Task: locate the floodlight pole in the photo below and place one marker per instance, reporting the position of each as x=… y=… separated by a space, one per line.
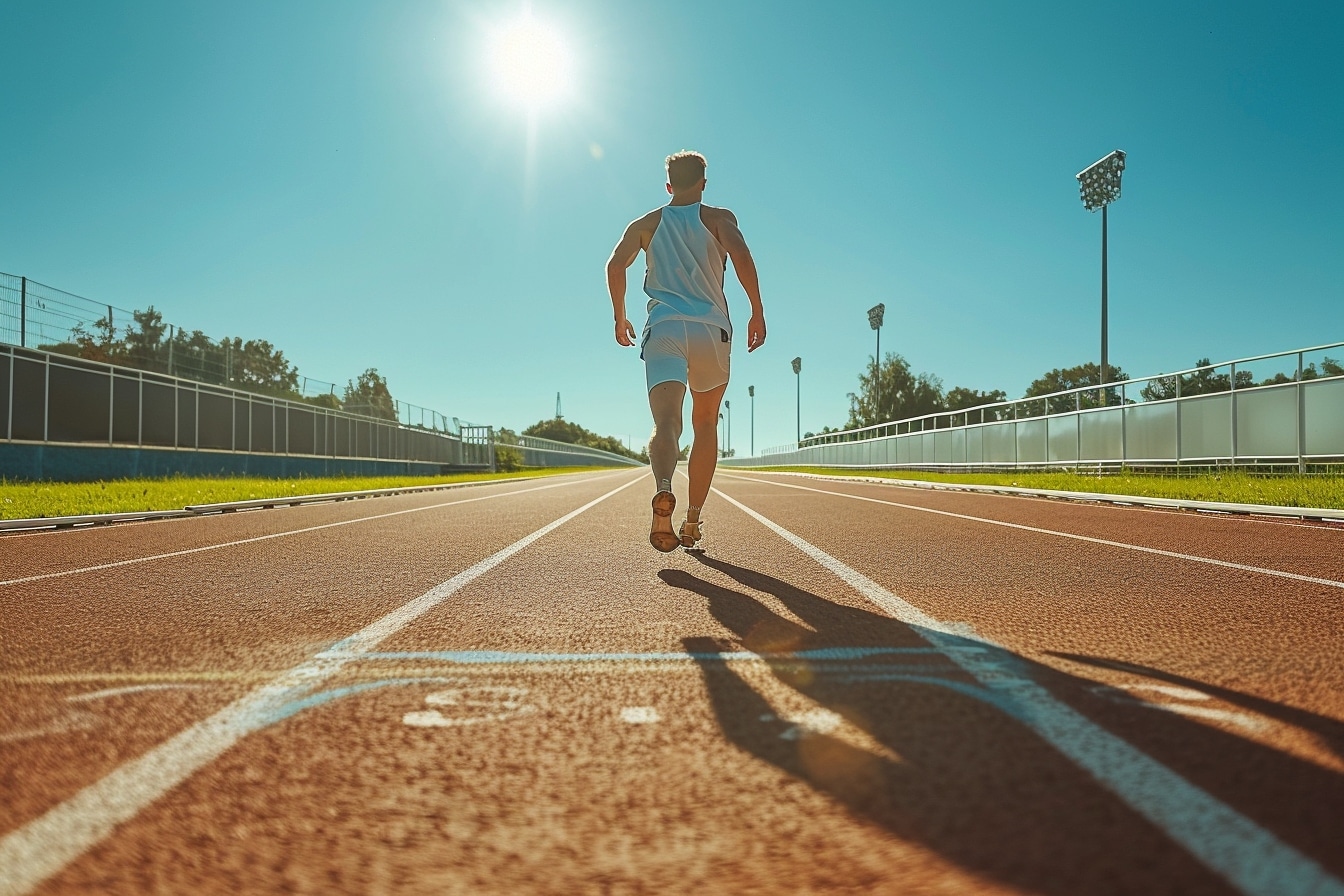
x=875 y=321
x=798 y=379
x=728 y=423
x=751 y=393
x=1105 y=369
x=1099 y=185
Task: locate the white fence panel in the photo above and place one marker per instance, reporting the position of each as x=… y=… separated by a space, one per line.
x=1323 y=408
x=1267 y=421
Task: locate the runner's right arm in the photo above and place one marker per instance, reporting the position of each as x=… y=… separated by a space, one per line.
x=624 y=255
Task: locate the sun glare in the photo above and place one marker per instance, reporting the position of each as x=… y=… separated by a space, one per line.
x=530 y=63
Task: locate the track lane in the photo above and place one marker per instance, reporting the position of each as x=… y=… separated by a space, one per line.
x=36 y=556
x=1039 y=592
x=1308 y=549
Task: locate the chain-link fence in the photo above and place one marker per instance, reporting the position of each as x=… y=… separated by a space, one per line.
x=37 y=316
x=77 y=375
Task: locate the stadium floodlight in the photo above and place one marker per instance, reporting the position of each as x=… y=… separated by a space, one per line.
x=1099 y=186
x=875 y=315
x=797 y=375
x=875 y=321
x=1099 y=183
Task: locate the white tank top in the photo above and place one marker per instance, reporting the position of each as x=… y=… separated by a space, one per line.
x=684 y=280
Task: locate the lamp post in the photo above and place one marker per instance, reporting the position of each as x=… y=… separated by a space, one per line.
x=728 y=409
x=751 y=393
x=720 y=434
x=1099 y=186
x=875 y=321
x=798 y=379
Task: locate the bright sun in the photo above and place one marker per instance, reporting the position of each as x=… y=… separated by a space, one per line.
x=530 y=63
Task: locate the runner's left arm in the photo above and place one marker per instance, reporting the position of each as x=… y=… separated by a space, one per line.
x=744 y=266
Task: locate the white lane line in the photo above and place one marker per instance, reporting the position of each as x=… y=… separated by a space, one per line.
x=130 y=689
x=39 y=849
x=1175 y=555
x=640 y=715
x=1253 y=859
x=230 y=544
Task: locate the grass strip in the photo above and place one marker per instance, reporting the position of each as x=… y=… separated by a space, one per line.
x=1234 y=487
x=36 y=500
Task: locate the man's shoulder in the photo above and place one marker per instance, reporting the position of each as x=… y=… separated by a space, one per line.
x=648 y=221
x=715 y=215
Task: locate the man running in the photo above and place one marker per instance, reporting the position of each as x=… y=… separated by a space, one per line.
x=688 y=334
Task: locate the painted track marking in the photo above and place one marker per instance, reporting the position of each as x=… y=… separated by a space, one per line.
x=640 y=715
x=130 y=689
x=229 y=544
x=41 y=848
x=1252 y=858
x=471 y=705
x=1176 y=555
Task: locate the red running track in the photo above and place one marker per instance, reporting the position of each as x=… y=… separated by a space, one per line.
x=858 y=688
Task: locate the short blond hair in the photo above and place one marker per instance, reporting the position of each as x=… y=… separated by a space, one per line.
x=685 y=169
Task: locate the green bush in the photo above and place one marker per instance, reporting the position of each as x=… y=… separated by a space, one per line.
x=507 y=458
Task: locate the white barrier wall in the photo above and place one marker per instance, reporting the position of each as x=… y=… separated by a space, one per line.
x=1286 y=423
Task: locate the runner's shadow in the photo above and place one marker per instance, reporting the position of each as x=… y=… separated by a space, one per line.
x=932 y=756
x=1330 y=731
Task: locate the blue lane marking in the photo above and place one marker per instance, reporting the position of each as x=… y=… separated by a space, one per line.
x=844 y=670
x=504 y=657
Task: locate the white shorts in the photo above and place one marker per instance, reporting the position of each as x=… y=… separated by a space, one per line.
x=689 y=352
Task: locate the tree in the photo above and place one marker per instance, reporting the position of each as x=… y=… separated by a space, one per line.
x=558 y=430
x=902 y=394
x=196 y=357
x=258 y=366
x=369 y=395
x=101 y=345
x=1329 y=367
x=1159 y=389
x=1062 y=379
x=325 y=400
x=507 y=457
x=963 y=399
x=145 y=347
x=1204 y=380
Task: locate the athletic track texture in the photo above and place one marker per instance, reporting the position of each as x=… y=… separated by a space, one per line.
x=858 y=688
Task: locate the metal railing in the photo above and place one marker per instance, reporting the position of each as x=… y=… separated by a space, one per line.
x=1281 y=409
x=539 y=452
x=37 y=316
x=53 y=399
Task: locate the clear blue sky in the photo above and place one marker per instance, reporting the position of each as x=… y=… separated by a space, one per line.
x=340 y=179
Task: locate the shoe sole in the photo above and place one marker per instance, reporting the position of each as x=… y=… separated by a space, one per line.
x=663 y=504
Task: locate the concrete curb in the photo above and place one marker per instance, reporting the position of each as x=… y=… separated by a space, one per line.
x=1304 y=513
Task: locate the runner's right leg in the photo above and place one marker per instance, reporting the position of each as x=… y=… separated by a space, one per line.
x=665 y=400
